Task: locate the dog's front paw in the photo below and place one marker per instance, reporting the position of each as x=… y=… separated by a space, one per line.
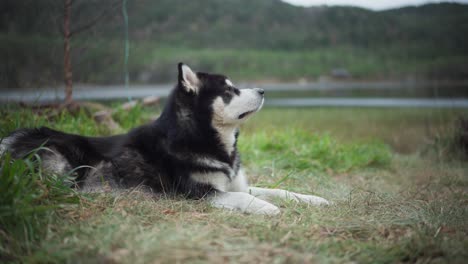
x=263 y=208
x=310 y=199
x=244 y=202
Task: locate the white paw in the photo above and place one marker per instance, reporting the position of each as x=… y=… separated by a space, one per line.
x=261 y=207
x=310 y=199
x=244 y=202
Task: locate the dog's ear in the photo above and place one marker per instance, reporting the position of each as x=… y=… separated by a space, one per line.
x=188 y=79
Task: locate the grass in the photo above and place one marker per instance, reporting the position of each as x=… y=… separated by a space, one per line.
x=405 y=130
x=392 y=204
x=30 y=201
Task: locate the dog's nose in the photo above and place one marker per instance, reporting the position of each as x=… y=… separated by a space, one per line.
x=260 y=91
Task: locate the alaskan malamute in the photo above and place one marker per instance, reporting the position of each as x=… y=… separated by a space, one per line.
x=190 y=149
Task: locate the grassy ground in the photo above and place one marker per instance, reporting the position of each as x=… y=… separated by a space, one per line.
x=392 y=203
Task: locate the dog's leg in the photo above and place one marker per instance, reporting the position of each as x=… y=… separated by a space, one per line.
x=243 y=202
x=268 y=194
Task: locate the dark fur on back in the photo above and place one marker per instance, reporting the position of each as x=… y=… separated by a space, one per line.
x=160 y=155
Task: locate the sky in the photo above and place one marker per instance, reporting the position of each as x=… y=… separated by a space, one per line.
x=370 y=4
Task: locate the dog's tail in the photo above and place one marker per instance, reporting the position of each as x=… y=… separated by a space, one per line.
x=7 y=143
x=55 y=147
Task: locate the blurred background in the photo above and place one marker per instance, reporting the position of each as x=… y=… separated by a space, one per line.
x=392 y=70
x=366 y=105
x=261 y=41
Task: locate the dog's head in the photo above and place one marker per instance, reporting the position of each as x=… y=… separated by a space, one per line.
x=214 y=96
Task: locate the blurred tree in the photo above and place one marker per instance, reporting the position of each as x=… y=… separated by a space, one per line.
x=67 y=69
x=68 y=32
x=425 y=40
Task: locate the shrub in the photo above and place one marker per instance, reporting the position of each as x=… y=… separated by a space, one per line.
x=450 y=143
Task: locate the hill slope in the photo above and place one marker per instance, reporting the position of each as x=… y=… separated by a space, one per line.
x=408 y=37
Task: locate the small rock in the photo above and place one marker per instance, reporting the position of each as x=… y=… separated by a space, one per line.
x=105 y=118
x=151 y=100
x=129 y=105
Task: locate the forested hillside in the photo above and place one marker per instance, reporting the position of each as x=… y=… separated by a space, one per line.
x=252 y=40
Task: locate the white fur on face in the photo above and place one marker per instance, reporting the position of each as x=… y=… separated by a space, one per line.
x=227 y=117
x=239 y=108
x=228 y=82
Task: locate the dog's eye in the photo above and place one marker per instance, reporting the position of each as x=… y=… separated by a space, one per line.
x=231 y=89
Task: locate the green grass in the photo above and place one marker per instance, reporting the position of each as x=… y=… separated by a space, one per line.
x=389 y=206
x=31 y=204
x=300 y=150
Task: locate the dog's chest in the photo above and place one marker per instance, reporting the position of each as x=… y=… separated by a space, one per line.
x=219 y=181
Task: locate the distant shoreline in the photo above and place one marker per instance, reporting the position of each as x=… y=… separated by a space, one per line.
x=116 y=92
x=273 y=86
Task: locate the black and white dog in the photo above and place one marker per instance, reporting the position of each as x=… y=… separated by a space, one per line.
x=190 y=149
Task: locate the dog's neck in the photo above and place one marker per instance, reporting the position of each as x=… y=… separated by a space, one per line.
x=228 y=137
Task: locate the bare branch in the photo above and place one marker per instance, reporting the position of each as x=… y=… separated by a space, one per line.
x=93 y=21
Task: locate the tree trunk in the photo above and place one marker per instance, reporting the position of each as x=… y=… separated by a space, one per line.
x=66 y=54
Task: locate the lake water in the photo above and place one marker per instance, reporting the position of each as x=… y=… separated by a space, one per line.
x=384 y=94
x=365 y=94
x=371 y=90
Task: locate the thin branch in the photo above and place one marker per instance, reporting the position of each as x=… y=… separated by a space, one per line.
x=92 y=22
